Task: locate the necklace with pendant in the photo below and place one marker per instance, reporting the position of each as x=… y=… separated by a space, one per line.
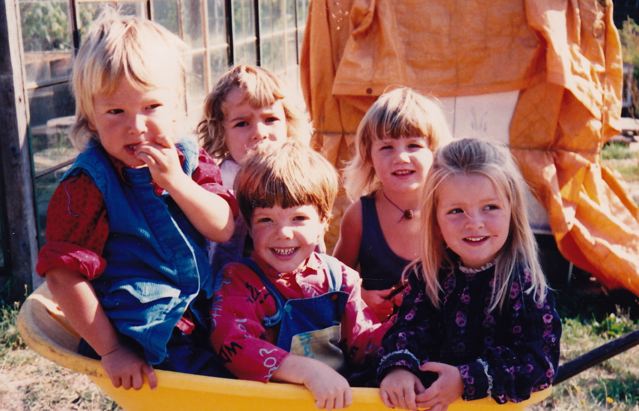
x=407 y=214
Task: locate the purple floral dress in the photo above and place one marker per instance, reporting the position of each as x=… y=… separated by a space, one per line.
x=505 y=354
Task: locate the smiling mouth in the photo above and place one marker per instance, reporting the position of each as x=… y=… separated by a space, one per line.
x=475 y=240
x=283 y=252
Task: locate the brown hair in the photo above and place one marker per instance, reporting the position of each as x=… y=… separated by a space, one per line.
x=288 y=175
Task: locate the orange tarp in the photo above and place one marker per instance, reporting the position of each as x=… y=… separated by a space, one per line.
x=563 y=57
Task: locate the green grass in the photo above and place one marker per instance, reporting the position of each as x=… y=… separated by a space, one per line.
x=629 y=172
x=616 y=151
x=588 y=322
x=9 y=337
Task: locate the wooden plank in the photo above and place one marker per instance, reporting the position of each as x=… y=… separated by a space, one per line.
x=15 y=159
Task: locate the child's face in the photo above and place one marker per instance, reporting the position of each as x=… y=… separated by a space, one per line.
x=130 y=118
x=246 y=126
x=473 y=218
x=401 y=164
x=285 y=237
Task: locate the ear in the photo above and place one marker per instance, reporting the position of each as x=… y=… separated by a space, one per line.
x=90 y=126
x=325 y=222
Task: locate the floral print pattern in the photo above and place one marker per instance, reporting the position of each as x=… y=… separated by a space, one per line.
x=506 y=354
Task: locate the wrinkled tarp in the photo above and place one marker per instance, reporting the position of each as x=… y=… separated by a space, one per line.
x=563 y=57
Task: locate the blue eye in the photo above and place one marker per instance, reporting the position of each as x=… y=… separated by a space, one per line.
x=492 y=207
x=115 y=111
x=455 y=211
x=240 y=124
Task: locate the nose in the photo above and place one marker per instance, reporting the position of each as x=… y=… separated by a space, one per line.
x=402 y=155
x=137 y=124
x=261 y=131
x=474 y=220
x=285 y=231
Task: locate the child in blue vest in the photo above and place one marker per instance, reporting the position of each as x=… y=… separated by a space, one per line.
x=125 y=256
x=289 y=313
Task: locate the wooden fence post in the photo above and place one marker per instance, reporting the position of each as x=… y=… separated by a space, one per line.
x=15 y=160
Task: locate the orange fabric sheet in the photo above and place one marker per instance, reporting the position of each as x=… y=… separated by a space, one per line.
x=563 y=57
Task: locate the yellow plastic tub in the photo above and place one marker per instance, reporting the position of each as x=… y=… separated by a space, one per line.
x=44 y=328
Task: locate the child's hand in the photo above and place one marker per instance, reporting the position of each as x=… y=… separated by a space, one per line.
x=447 y=387
x=400 y=388
x=127 y=370
x=376 y=300
x=162 y=159
x=329 y=388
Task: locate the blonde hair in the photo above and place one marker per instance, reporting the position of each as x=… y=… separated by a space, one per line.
x=118 y=48
x=476 y=157
x=396 y=114
x=288 y=175
x=262 y=88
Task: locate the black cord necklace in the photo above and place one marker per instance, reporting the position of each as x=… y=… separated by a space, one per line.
x=407 y=214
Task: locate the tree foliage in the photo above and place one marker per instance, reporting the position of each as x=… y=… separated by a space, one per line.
x=45 y=26
x=629 y=35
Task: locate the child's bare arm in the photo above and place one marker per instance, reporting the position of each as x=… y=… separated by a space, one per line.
x=77 y=299
x=208 y=212
x=329 y=388
x=350 y=236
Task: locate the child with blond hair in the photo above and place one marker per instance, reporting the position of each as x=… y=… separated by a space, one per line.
x=289 y=313
x=379 y=232
x=477 y=320
x=125 y=256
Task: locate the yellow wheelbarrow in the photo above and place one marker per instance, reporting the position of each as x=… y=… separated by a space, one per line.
x=46 y=331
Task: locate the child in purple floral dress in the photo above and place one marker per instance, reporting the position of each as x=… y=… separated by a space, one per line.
x=477 y=319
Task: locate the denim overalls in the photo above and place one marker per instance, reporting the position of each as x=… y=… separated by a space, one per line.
x=310 y=327
x=157 y=262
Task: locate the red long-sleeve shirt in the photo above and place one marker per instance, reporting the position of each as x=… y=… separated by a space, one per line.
x=78 y=225
x=248 y=348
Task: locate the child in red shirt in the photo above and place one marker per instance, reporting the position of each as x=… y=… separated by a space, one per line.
x=289 y=313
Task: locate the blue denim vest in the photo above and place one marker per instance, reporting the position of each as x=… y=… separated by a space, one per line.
x=156 y=260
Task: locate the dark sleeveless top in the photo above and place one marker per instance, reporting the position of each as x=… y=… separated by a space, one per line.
x=380 y=267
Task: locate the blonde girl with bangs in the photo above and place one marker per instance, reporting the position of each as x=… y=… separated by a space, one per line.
x=127 y=226
x=379 y=233
x=477 y=319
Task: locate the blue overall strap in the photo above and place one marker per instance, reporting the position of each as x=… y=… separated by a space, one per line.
x=334 y=272
x=273 y=320
x=334 y=278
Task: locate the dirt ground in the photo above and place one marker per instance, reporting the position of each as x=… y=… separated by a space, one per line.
x=30 y=382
